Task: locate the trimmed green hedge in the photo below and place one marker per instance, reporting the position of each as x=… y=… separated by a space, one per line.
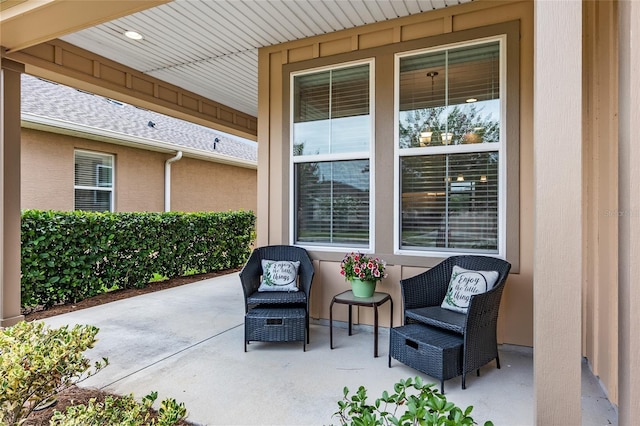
x=70 y=256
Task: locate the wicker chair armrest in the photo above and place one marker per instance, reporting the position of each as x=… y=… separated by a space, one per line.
x=250 y=274
x=427 y=288
x=483 y=308
x=306 y=272
x=480 y=337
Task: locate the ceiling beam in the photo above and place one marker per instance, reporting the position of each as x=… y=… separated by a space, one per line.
x=70 y=65
x=27 y=23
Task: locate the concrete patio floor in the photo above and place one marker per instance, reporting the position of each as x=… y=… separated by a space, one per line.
x=187 y=343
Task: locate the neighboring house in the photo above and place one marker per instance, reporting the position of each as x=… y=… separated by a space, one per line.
x=87 y=152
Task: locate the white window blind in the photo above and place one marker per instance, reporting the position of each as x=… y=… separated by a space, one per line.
x=331 y=126
x=450 y=201
x=449 y=149
x=93 y=182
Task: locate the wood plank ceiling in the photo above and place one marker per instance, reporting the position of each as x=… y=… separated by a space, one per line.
x=211 y=47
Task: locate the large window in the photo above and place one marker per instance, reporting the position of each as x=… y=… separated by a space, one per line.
x=93 y=181
x=450 y=149
x=331 y=156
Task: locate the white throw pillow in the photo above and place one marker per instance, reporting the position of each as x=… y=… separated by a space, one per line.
x=279 y=275
x=465 y=283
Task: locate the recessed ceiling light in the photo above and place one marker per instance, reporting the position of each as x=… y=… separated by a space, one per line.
x=471 y=100
x=133 y=35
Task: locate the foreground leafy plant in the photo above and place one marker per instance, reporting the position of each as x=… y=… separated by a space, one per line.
x=37 y=362
x=123 y=411
x=426 y=407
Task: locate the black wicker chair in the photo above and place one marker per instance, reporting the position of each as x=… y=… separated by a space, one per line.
x=250 y=279
x=424 y=293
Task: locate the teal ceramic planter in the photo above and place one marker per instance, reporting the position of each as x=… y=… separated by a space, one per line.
x=362 y=288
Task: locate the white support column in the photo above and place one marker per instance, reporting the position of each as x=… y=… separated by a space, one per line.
x=629 y=214
x=557 y=273
x=10 y=192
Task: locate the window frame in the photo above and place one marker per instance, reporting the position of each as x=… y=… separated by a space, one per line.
x=97 y=186
x=500 y=148
x=316 y=158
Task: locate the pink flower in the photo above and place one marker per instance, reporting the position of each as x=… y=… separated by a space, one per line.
x=359 y=265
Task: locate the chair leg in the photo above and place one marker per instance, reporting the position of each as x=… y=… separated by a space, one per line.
x=498 y=361
x=442 y=386
x=464 y=376
x=478 y=372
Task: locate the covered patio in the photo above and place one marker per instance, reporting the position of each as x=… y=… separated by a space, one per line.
x=569 y=205
x=186 y=343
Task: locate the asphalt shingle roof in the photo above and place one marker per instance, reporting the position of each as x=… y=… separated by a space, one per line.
x=56 y=101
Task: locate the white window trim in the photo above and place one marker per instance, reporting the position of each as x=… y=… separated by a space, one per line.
x=358 y=155
x=501 y=148
x=111 y=189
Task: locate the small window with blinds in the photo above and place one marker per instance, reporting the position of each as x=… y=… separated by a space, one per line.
x=93 y=182
x=331 y=149
x=450 y=148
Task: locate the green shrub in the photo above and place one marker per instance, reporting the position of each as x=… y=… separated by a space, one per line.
x=123 y=411
x=70 y=256
x=426 y=407
x=37 y=362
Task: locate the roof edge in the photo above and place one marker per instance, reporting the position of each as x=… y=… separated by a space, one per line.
x=63 y=127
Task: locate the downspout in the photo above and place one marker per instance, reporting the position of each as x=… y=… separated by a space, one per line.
x=167 y=180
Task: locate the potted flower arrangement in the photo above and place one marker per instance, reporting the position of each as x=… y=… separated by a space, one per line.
x=363 y=272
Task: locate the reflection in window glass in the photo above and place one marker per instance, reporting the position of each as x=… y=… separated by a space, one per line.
x=332 y=202
x=450 y=97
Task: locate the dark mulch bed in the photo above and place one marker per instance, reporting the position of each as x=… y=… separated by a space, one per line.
x=77 y=395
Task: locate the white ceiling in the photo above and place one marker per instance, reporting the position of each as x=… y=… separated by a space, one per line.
x=210 y=47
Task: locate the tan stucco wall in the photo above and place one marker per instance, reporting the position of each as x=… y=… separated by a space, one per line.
x=516 y=321
x=199 y=186
x=48 y=171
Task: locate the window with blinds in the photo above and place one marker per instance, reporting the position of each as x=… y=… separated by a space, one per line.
x=450 y=148
x=331 y=134
x=93 y=182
